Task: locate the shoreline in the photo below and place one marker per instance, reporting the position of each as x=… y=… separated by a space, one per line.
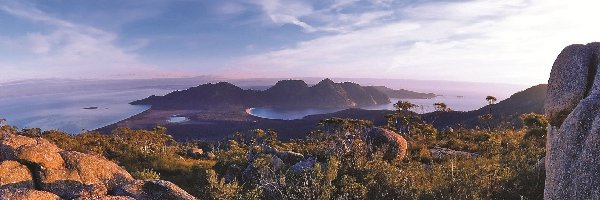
x=249 y=111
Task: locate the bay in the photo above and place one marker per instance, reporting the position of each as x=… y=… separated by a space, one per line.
x=457 y=103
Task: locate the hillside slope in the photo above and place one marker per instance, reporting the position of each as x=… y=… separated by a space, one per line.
x=222 y=93
x=530 y=100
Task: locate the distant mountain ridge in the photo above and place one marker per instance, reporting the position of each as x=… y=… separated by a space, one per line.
x=403 y=94
x=286 y=93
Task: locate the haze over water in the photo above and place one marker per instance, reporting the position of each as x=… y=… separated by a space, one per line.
x=65 y=111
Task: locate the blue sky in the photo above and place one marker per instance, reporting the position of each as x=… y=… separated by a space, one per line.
x=510 y=41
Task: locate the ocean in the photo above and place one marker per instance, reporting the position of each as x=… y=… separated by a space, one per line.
x=66 y=111
x=60 y=104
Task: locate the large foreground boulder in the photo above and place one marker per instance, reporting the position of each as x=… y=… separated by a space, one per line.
x=34 y=167
x=153 y=189
x=393 y=145
x=573 y=109
x=67 y=174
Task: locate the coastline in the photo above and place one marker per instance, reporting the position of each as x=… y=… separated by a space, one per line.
x=249 y=111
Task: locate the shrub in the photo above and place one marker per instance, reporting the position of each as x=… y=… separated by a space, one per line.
x=345 y=167
x=146 y=174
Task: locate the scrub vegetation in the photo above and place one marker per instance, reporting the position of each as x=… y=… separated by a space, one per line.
x=334 y=161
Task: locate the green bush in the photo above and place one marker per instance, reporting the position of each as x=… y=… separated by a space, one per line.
x=146 y=174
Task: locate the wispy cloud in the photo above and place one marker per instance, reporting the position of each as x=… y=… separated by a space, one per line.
x=287 y=12
x=483 y=40
x=68 y=49
x=328 y=18
x=504 y=41
x=339 y=4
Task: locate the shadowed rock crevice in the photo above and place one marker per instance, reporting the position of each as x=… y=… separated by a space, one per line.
x=35 y=171
x=592 y=70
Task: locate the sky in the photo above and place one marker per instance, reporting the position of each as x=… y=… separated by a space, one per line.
x=499 y=41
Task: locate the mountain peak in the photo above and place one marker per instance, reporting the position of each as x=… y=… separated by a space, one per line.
x=294 y=83
x=225 y=84
x=326 y=81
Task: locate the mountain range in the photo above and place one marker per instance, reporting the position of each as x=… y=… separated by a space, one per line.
x=285 y=93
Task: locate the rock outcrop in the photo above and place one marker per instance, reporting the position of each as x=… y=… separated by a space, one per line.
x=286 y=156
x=34 y=168
x=153 y=189
x=307 y=164
x=393 y=145
x=27 y=194
x=195 y=152
x=573 y=110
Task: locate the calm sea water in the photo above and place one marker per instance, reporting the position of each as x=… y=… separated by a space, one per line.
x=66 y=111
x=464 y=103
x=286 y=113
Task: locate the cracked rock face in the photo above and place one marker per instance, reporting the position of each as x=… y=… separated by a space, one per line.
x=573 y=109
x=34 y=168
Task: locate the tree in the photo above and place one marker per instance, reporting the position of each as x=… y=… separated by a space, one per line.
x=491 y=100
x=440 y=106
x=487 y=118
x=404 y=105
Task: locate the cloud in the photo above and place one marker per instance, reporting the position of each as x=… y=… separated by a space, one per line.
x=70 y=50
x=512 y=41
x=338 y=4
x=286 y=12
x=329 y=18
